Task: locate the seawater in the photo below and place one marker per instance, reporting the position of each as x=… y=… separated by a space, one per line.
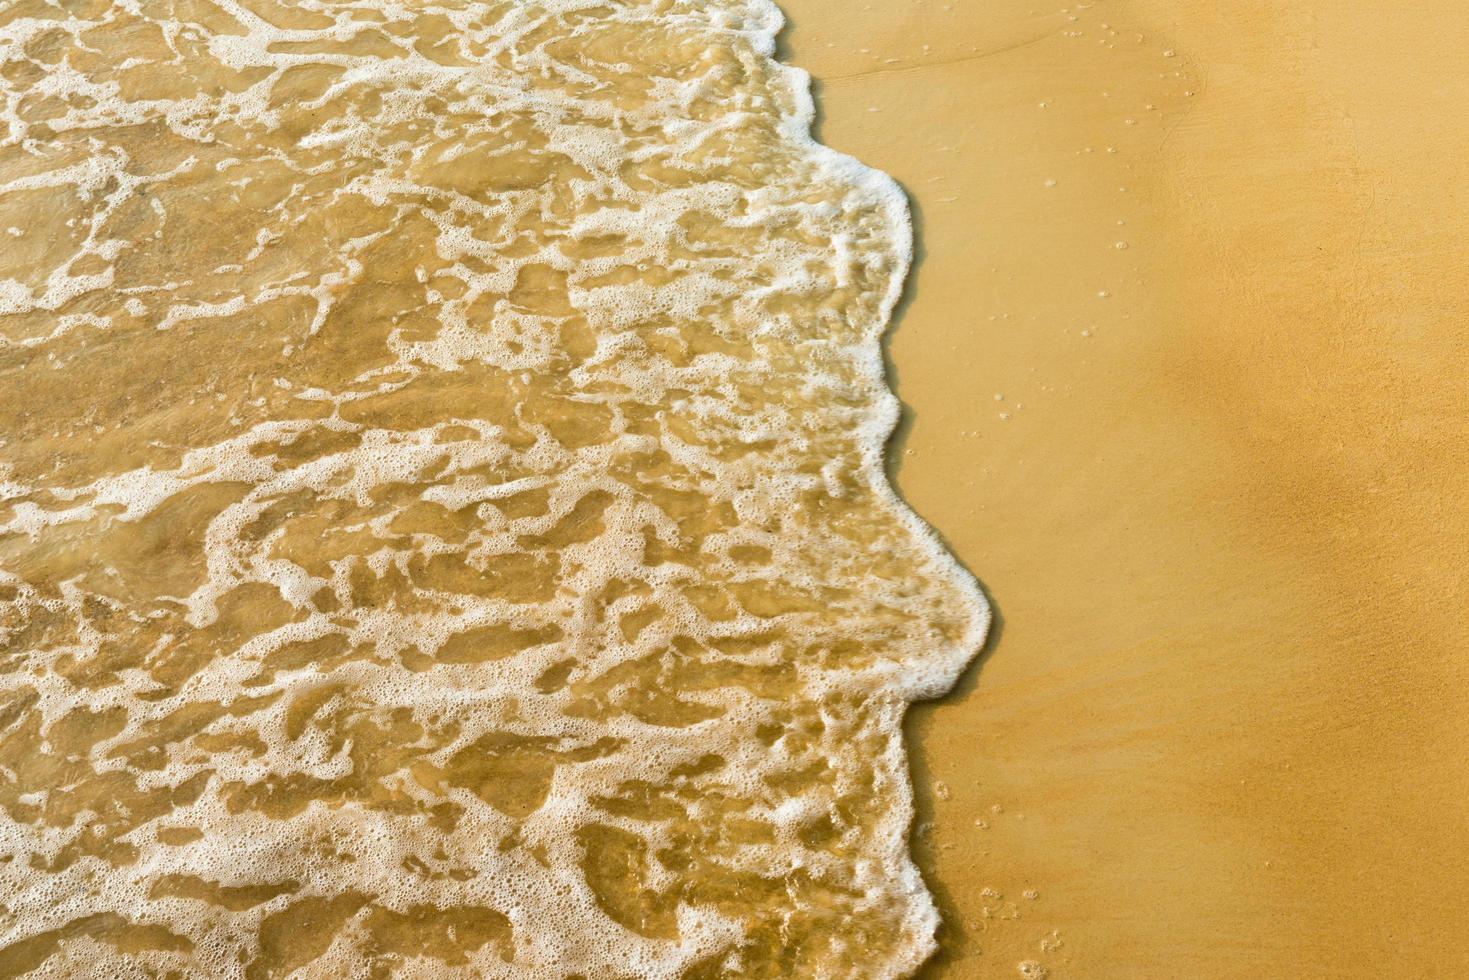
x=443 y=524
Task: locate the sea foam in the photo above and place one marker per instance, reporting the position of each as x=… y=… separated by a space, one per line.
x=443 y=524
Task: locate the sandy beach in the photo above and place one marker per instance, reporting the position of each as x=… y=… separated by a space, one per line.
x=1183 y=360
x=443 y=520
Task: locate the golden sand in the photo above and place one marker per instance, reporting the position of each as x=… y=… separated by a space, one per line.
x=421 y=559
x=1220 y=509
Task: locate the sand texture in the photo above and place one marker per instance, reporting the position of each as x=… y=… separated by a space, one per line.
x=1184 y=355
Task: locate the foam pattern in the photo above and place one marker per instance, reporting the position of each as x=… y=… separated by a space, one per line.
x=443 y=525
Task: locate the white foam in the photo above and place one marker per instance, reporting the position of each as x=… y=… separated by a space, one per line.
x=780 y=418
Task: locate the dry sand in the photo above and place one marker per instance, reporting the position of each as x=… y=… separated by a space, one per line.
x=1215 y=480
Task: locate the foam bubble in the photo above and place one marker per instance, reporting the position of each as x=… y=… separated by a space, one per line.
x=444 y=528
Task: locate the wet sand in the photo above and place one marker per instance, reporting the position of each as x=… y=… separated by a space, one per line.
x=1185 y=362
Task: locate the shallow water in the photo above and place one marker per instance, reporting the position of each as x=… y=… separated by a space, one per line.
x=444 y=528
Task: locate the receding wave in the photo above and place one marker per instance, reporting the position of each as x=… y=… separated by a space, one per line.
x=443 y=526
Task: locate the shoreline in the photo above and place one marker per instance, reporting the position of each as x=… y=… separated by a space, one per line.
x=1178 y=370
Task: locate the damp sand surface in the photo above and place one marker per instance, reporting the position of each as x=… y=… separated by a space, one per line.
x=444 y=525
x=1214 y=480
